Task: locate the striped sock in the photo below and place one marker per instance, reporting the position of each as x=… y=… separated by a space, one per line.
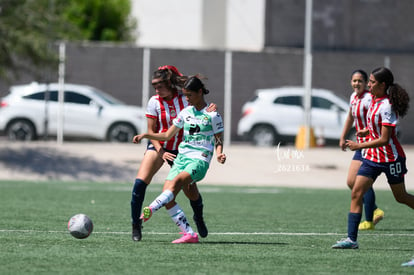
x=164 y=198
x=179 y=218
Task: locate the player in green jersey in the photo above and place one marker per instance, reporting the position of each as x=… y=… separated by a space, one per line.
x=202 y=136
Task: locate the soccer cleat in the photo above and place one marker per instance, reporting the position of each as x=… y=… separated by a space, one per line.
x=136 y=231
x=345 y=244
x=378 y=215
x=366 y=225
x=187 y=238
x=201 y=226
x=410 y=263
x=146 y=213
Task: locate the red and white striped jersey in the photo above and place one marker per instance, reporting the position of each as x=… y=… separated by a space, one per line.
x=359 y=106
x=380 y=113
x=164 y=111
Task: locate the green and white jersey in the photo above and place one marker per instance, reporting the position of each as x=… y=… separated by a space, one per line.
x=199 y=129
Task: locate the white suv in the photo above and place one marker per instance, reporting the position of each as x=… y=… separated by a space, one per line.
x=29 y=110
x=275 y=115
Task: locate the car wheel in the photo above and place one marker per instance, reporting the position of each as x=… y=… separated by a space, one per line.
x=121 y=132
x=263 y=135
x=21 y=130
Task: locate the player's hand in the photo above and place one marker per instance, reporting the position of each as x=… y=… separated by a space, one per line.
x=212 y=107
x=352 y=145
x=137 y=138
x=168 y=156
x=342 y=144
x=362 y=133
x=221 y=158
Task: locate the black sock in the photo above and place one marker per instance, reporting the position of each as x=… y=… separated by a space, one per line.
x=197 y=206
x=369 y=204
x=353 y=221
x=138 y=195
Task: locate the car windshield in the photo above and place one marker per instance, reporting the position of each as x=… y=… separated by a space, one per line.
x=107 y=98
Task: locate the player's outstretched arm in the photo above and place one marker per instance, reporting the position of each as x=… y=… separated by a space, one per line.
x=157 y=136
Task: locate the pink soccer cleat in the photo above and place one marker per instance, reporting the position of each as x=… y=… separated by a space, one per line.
x=146 y=214
x=187 y=238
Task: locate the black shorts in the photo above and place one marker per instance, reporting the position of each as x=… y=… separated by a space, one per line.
x=358 y=155
x=150 y=146
x=394 y=171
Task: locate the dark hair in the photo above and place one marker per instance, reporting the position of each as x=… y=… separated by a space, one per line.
x=398 y=96
x=170 y=73
x=361 y=72
x=194 y=84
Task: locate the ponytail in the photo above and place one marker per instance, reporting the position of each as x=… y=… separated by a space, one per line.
x=399 y=99
x=397 y=95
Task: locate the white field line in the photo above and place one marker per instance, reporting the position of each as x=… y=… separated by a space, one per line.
x=215 y=233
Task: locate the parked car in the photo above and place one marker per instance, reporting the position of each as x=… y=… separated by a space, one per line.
x=29 y=111
x=275 y=115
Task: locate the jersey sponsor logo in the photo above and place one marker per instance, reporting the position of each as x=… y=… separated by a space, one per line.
x=194 y=129
x=204 y=120
x=173 y=113
x=199 y=140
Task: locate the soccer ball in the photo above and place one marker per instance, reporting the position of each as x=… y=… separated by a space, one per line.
x=80 y=226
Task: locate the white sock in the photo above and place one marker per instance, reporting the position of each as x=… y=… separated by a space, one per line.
x=179 y=218
x=164 y=198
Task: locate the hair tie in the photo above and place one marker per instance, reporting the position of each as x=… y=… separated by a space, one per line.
x=172 y=68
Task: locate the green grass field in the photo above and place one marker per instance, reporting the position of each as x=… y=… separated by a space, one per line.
x=253 y=230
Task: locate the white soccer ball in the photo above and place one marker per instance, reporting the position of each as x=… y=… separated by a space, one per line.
x=80 y=226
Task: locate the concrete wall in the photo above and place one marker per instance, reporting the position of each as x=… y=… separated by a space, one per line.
x=369 y=25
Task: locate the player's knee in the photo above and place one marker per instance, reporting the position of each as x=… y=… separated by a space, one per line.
x=191 y=192
x=173 y=186
x=356 y=195
x=350 y=184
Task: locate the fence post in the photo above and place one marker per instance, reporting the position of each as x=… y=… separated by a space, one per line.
x=61 y=91
x=145 y=76
x=227 y=96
